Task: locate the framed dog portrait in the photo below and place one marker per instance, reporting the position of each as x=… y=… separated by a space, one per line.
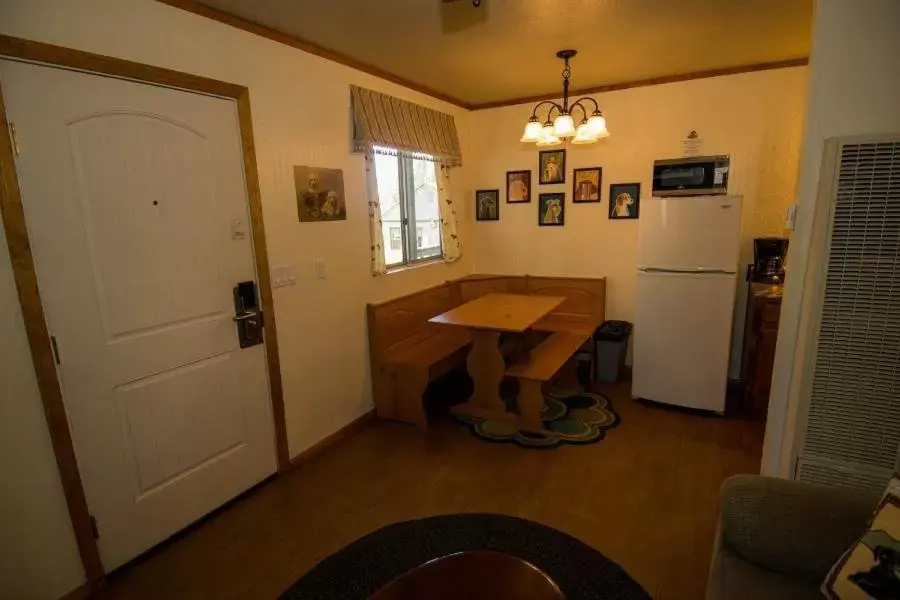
x=320 y=194
x=518 y=187
x=487 y=205
x=624 y=200
x=552 y=167
x=586 y=184
x=551 y=210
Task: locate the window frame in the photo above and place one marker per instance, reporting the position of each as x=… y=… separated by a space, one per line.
x=408 y=227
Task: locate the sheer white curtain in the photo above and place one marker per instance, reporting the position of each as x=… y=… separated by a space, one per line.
x=450 y=241
x=375 y=230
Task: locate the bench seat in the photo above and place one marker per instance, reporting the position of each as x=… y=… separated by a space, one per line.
x=542 y=363
x=566 y=324
x=549 y=357
x=432 y=351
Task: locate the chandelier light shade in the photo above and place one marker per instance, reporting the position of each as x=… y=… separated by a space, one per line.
x=547 y=138
x=559 y=124
x=534 y=131
x=564 y=126
x=597 y=125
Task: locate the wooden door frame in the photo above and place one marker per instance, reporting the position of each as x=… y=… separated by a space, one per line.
x=13 y=217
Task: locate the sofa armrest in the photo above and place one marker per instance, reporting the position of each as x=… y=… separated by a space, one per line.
x=796 y=528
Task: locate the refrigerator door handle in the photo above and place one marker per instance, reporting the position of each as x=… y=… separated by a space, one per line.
x=697 y=271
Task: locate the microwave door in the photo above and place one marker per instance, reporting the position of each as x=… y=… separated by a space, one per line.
x=684 y=178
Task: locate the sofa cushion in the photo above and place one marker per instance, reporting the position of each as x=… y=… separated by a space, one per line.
x=733 y=578
x=799 y=529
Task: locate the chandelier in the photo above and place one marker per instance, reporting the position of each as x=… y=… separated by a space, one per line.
x=550 y=131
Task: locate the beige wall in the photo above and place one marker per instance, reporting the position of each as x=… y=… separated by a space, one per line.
x=854 y=89
x=755 y=117
x=300 y=109
x=38 y=557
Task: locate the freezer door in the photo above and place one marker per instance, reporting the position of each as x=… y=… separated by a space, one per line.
x=700 y=232
x=682 y=338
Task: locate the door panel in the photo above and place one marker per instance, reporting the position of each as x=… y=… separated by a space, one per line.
x=137 y=213
x=700 y=232
x=136 y=224
x=682 y=338
x=170 y=428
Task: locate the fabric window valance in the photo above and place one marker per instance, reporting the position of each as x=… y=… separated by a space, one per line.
x=383 y=120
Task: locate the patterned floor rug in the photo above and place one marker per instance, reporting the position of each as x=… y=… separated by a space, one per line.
x=571 y=417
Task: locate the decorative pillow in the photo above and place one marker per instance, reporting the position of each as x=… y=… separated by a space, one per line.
x=871 y=568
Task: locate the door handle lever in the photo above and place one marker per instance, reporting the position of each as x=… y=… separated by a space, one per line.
x=250 y=314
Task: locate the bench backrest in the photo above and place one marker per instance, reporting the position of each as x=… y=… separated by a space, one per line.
x=585 y=297
x=476 y=286
x=404 y=321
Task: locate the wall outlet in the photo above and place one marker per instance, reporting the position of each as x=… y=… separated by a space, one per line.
x=320 y=268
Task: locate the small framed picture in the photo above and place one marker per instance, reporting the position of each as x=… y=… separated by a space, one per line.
x=551 y=166
x=518 y=187
x=586 y=184
x=624 y=200
x=487 y=205
x=551 y=210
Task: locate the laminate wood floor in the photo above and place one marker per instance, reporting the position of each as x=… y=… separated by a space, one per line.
x=646 y=497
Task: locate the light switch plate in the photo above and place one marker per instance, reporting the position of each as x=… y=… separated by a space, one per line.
x=320 y=268
x=283 y=275
x=790 y=217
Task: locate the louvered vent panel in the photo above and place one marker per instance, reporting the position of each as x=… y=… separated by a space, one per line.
x=854 y=405
x=854 y=476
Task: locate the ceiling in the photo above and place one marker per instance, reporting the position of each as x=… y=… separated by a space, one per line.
x=506 y=49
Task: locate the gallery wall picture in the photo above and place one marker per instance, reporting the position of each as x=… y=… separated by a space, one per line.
x=551 y=210
x=518 y=187
x=320 y=194
x=487 y=205
x=624 y=200
x=551 y=167
x=586 y=184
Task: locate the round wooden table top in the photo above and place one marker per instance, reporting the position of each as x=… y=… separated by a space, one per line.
x=474 y=575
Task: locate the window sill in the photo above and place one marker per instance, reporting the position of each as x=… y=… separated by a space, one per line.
x=415 y=265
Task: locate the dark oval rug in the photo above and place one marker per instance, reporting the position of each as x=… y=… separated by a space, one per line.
x=371 y=562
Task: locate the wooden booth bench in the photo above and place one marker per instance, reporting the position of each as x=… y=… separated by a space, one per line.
x=407 y=352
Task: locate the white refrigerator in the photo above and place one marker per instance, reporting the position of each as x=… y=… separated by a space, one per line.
x=684 y=299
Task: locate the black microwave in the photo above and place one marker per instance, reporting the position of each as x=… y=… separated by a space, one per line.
x=691 y=176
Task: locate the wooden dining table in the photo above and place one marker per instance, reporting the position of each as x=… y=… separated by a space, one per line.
x=486 y=318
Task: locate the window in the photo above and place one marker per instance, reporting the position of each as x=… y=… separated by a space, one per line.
x=396 y=242
x=410 y=216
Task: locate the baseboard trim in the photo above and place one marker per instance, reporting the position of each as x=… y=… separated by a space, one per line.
x=344 y=432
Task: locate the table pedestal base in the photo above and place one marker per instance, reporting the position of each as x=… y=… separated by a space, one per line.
x=531 y=404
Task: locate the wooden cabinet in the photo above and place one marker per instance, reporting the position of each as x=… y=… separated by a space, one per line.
x=760 y=336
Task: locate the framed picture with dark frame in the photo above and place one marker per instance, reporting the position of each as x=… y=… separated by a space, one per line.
x=624 y=200
x=552 y=209
x=487 y=205
x=518 y=187
x=586 y=184
x=551 y=167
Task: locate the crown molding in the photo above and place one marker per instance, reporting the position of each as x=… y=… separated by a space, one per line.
x=625 y=85
x=275 y=35
x=300 y=44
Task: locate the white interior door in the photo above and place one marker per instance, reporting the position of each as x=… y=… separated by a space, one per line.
x=137 y=213
x=692 y=232
x=682 y=337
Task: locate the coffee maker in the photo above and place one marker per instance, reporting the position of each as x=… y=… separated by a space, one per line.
x=769 y=255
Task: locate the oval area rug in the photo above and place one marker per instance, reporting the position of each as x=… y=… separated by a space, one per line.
x=371 y=562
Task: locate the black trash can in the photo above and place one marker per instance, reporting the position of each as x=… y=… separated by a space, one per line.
x=611 y=346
